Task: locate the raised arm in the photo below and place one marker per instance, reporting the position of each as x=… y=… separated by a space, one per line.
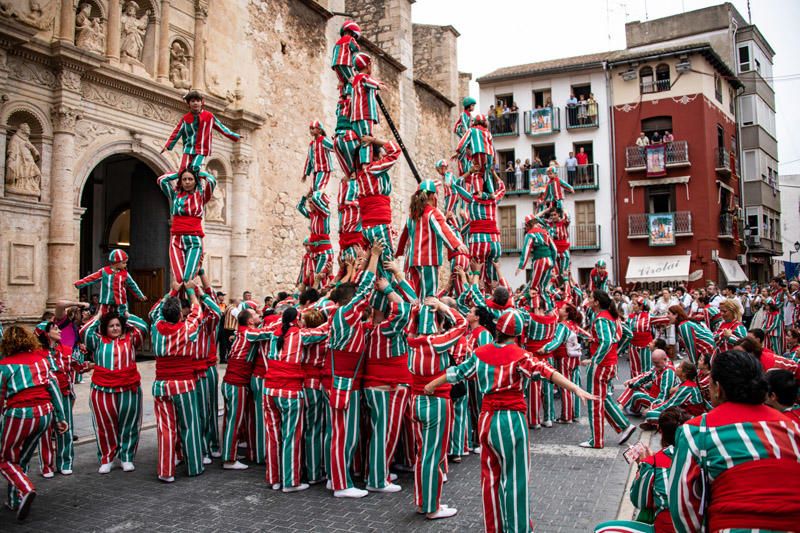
x=220 y=127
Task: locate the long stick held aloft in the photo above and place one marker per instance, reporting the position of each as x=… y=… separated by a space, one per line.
x=396 y=133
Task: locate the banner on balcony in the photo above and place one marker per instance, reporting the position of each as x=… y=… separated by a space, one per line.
x=656 y=160
x=661 y=229
x=542 y=121
x=538 y=181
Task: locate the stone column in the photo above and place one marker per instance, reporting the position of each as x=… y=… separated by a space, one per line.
x=199 y=66
x=163 y=44
x=114 y=27
x=66 y=31
x=239 y=204
x=62 y=249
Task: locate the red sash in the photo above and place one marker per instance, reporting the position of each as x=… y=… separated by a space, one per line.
x=484 y=226
x=509 y=400
x=238 y=372
x=375 y=210
x=641 y=338
x=418 y=385
x=30 y=397
x=283 y=375
x=561 y=246
x=351 y=238
x=175 y=368
x=127 y=378
x=187 y=225
x=392 y=371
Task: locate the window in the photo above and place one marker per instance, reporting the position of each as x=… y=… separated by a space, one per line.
x=744 y=58
x=747 y=110
x=731 y=101
x=656 y=124
x=119 y=233
x=750 y=166
x=754 y=110
x=508 y=227
x=718 y=87
x=660 y=199
x=585 y=233
x=720 y=137
x=542 y=98
x=646 y=80
x=545 y=152
x=582 y=90
x=504 y=158
x=662 y=78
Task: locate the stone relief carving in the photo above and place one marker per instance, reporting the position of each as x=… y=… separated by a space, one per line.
x=88 y=132
x=64 y=118
x=129 y=104
x=215 y=206
x=22 y=171
x=32 y=73
x=240 y=163
x=134 y=29
x=37 y=13
x=179 y=73
x=90 y=32
x=69 y=80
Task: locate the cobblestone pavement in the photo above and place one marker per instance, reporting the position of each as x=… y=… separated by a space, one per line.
x=571 y=490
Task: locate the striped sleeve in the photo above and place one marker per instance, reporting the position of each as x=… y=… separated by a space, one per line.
x=463 y=371
x=220 y=127
x=529 y=366
x=604 y=330
x=209 y=183
x=177 y=133
x=684 y=480
x=91 y=336
x=444 y=341
x=192 y=324
x=386 y=162
x=89 y=280
x=560 y=337
x=666 y=384
x=134 y=288
x=399 y=315
x=527 y=249
x=302 y=207
x=641 y=493
x=440 y=228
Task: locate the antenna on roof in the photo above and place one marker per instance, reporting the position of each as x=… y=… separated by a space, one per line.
x=645 y=11
x=749 y=15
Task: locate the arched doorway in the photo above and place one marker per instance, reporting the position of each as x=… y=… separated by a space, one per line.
x=124 y=208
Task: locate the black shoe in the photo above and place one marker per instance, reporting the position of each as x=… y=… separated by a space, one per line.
x=25 y=506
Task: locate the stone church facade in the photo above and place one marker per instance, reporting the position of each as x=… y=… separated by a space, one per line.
x=91 y=89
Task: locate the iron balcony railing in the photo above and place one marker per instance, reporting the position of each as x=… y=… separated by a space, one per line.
x=727 y=223
x=637 y=224
x=583 y=115
x=677 y=155
x=584 y=178
x=656 y=86
x=542 y=121
x=723 y=163
x=504 y=125
x=584 y=237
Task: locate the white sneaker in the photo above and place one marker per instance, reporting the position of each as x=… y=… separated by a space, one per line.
x=166 y=479
x=352 y=492
x=548 y=424
x=585 y=444
x=444 y=478
x=476 y=449
x=235 y=466
x=329 y=485
x=390 y=487
x=48 y=475
x=105 y=468
x=128 y=466
x=443 y=512
x=314 y=481
x=276 y=486
x=392 y=477
x=626 y=434
x=66 y=472
x=296 y=488
x=206 y=460
x=216 y=455
x=537 y=426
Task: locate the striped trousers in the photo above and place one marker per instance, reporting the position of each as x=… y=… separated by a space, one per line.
x=18 y=439
x=177 y=418
x=475 y=402
x=407 y=453
x=345 y=147
x=343 y=433
x=185 y=252
x=283 y=424
x=641 y=360
x=207 y=408
x=425 y=280
x=431 y=423
x=627 y=526
x=345 y=74
x=192 y=161
x=569 y=366
x=117 y=421
x=606 y=408
x=320 y=180
x=461 y=429
x=635 y=399
x=256 y=420
x=541 y=401
x=315 y=412
x=484 y=249
x=505 y=470
x=237 y=400
x=56 y=450
x=363 y=127
x=563 y=262
x=541 y=270
x=386 y=408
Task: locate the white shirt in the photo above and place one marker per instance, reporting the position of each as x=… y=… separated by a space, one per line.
x=715 y=301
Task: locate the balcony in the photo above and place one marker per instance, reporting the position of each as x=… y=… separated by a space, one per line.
x=723 y=162
x=585 y=178
x=582 y=116
x=543 y=121
x=656 y=86
x=584 y=237
x=511 y=240
x=727 y=225
x=637 y=224
x=677 y=155
x=505 y=125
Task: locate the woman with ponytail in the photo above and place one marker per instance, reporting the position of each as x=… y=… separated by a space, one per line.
x=695 y=336
x=422 y=242
x=742 y=456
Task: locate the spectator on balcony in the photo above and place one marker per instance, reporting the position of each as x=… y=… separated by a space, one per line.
x=572 y=101
x=491 y=114
x=583 y=164
x=592 y=109
x=642 y=140
x=668 y=137
x=655 y=138
x=518 y=174
x=583 y=110
x=510 y=180
x=547 y=103
x=537 y=162
x=571 y=165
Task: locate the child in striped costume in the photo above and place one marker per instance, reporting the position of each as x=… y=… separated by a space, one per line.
x=651 y=387
x=502 y=369
x=553 y=195
x=351 y=239
x=484 y=236
x=428 y=359
x=114 y=279
x=173 y=341
x=539 y=248
x=707 y=314
x=598 y=277
x=742 y=452
x=453 y=204
x=29 y=401
x=686 y=395
x=116 y=393
x=773 y=327
x=345 y=141
x=422 y=241
x=559 y=226
x=606 y=331
x=315 y=206
x=477 y=144
x=461 y=126
x=196 y=130
x=344 y=54
x=696 y=338
x=731 y=330
x=641 y=324
x=341 y=377
x=364 y=106
x=318 y=161
x=58 y=454
x=187 y=198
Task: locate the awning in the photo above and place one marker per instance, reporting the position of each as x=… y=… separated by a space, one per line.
x=656 y=269
x=734 y=274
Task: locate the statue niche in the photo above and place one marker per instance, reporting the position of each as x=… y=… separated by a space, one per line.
x=90 y=31
x=179 y=72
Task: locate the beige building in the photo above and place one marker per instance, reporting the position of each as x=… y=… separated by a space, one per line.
x=90 y=90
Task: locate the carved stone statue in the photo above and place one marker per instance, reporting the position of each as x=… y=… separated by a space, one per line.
x=179 y=73
x=89 y=32
x=133 y=31
x=216 y=205
x=39 y=13
x=22 y=173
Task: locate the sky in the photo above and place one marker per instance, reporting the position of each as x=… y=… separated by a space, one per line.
x=510 y=32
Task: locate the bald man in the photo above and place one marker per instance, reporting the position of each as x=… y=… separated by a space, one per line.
x=651 y=387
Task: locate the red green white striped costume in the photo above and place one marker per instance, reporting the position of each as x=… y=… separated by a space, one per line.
x=197 y=131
